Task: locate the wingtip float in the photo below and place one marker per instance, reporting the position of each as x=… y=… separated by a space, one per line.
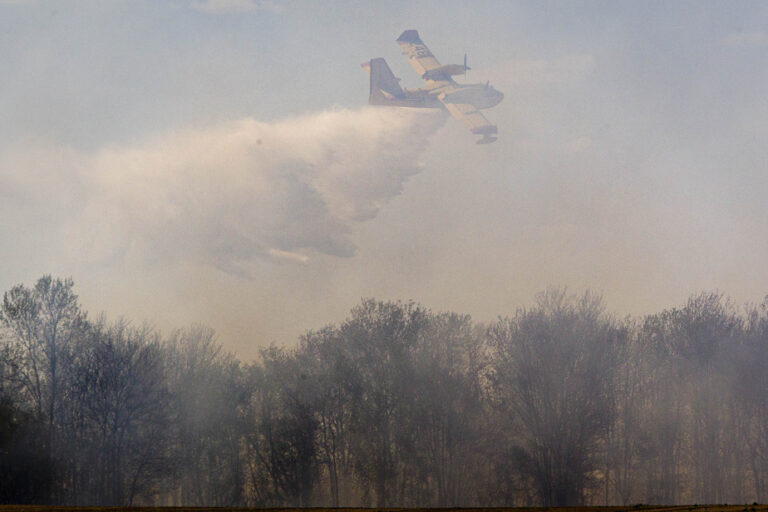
x=462 y=101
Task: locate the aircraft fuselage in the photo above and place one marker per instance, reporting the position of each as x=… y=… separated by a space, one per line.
x=481 y=96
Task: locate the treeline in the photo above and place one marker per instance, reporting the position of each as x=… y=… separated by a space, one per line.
x=558 y=404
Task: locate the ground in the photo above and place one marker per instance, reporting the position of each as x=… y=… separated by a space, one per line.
x=641 y=508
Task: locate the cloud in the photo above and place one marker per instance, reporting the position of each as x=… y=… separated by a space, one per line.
x=745 y=39
x=234 y=6
x=225 y=196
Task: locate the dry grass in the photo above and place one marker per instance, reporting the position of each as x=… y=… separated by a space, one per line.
x=633 y=508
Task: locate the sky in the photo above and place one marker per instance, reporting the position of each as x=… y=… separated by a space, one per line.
x=215 y=161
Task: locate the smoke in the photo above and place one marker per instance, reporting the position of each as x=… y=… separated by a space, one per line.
x=224 y=195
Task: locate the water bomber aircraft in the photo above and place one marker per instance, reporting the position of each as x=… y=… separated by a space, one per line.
x=462 y=101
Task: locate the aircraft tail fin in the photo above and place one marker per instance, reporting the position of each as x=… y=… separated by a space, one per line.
x=385 y=88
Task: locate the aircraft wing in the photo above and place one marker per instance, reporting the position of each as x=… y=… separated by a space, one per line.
x=419 y=56
x=439 y=77
x=475 y=121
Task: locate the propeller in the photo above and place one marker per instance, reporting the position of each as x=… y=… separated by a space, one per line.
x=465 y=66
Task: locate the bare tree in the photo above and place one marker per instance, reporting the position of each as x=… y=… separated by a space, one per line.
x=207 y=397
x=44 y=322
x=445 y=413
x=750 y=389
x=691 y=346
x=380 y=337
x=282 y=442
x=554 y=364
x=559 y=404
x=121 y=390
x=329 y=368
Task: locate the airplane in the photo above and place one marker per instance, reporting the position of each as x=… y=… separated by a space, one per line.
x=462 y=101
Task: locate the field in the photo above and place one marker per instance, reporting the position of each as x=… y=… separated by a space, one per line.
x=632 y=508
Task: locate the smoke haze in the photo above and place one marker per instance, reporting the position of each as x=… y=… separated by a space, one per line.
x=213 y=163
x=181 y=162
